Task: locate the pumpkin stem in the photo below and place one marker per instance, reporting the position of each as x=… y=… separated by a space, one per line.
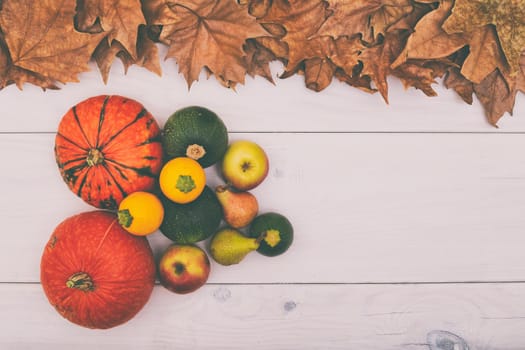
x=82 y=281
x=94 y=157
x=195 y=152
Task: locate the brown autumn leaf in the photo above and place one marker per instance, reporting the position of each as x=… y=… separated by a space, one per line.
x=520 y=80
x=258 y=60
x=119 y=19
x=496 y=96
x=429 y=40
x=147 y=52
x=361 y=82
x=211 y=34
x=159 y=12
x=318 y=73
x=420 y=75
x=297 y=21
x=485 y=55
x=367 y=17
x=508 y=16
x=327 y=56
x=377 y=61
x=463 y=87
x=10 y=74
x=57 y=54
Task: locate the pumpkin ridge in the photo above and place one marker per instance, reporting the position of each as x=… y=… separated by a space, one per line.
x=156 y=139
x=75 y=115
x=144 y=171
x=82 y=182
x=71 y=174
x=74 y=160
x=143 y=112
x=101 y=119
x=71 y=141
x=115 y=182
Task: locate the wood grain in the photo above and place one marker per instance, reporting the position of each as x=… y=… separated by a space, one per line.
x=365 y=207
x=368 y=317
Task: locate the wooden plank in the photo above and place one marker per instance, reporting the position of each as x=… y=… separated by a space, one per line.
x=365 y=207
x=259 y=106
x=379 y=317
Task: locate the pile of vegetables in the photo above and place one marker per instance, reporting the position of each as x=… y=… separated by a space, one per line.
x=98 y=269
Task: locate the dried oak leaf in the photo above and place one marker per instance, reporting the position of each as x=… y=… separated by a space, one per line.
x=508 y=16
x=119 y=19
x=368 y=17
x=147 y=55
x=210 y=34
x=43 y=43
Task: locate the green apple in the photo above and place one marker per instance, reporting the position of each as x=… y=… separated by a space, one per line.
x=244 y=165
x=184 y=268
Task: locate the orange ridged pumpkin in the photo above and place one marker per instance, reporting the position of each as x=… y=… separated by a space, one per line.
x=107 y=147
x=94 y=273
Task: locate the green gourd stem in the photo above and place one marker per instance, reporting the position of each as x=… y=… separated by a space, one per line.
x=195 y=152
x=124 y=217
x=94 y=157
x=185 y=183
x=81 y=281
x=261 y=237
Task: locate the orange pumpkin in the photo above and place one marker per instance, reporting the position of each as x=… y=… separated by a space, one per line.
x=107 y=147
x=94 y=273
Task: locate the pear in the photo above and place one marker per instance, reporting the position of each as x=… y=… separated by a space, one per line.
x=239 y=208
x=229 y=246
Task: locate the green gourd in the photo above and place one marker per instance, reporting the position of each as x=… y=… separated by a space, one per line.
x=276 y=232
x=194 y=221
x=195 y=132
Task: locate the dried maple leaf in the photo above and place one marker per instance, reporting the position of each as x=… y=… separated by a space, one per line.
x=367 y=17
x=159 y=12
x=361 y=82
x=429 y=40
x=119 y=19
x=419 y=75
x=42 y=40
x=10 y=74
x=257 y=60
x=485 y=55
x=508 y=16
x=496 y=96
x=463 y=87
x=377 y=61
x=297 y=21
x=147 y=53
x=211 y=34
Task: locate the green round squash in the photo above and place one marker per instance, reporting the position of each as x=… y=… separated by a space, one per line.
x=194 y=221
x=277 y=231
x=195 y=132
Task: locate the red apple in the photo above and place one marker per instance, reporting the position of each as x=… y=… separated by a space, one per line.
x=184 y=268
x=245 y=165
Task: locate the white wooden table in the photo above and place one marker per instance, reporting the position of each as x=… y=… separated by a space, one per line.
x=409 y=221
